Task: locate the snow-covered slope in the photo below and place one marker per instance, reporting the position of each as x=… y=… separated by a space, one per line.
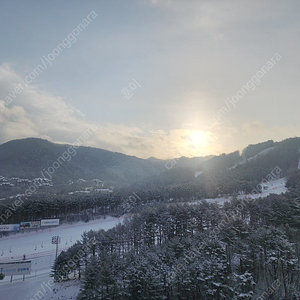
x=40 y=287
x=263 y=152
x=38 y=248
x=273 y=187
x=37 y=244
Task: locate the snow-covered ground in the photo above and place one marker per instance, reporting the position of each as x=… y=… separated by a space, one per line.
x=39 y=287
x=38 y=248
x=245 y=160
x=273 y=187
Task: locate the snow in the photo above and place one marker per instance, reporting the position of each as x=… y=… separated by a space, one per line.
x=38 y=248
x=273 y=187
x=245 y=160
x=39 y=287
x=198 y=173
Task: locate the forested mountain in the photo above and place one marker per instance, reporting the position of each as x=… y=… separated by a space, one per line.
x=227 y=173
x=231 y=173
x=28 y=158
x=253 y=150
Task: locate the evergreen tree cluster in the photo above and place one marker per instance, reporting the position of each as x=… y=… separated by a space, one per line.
x=174 y=252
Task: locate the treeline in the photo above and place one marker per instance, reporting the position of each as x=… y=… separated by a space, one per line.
x=73 y=208
x=241 y=251
x=66 y=208
x=253 y=150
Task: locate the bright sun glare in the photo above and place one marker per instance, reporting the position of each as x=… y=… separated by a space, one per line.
x=198 y=139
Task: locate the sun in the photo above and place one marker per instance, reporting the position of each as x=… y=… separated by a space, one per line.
x=198 y=138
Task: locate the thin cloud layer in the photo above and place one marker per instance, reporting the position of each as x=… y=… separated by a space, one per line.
x=37 y=113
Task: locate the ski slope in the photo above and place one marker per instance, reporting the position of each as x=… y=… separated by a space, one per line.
x=245 y=160
x=273 y=187
x=38 y=248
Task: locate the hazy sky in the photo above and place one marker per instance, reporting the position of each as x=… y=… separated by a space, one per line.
x=206 y=77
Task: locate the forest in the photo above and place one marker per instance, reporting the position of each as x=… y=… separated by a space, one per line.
x=203 y=251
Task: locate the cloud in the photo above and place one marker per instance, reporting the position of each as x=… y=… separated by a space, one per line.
x=37 y=113
x=194 y=16
x=161 y=2
x=28 y=111
x=254 y=128
x=258 y=132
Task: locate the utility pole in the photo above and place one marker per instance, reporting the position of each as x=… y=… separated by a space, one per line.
x=55 y=241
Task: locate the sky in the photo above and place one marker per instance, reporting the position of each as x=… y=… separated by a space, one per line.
x=161 y=78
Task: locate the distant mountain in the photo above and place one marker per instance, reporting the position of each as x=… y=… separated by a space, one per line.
x=32 y=157
x=233 y=172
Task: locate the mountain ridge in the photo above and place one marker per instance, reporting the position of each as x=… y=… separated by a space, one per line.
x=33 y=157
